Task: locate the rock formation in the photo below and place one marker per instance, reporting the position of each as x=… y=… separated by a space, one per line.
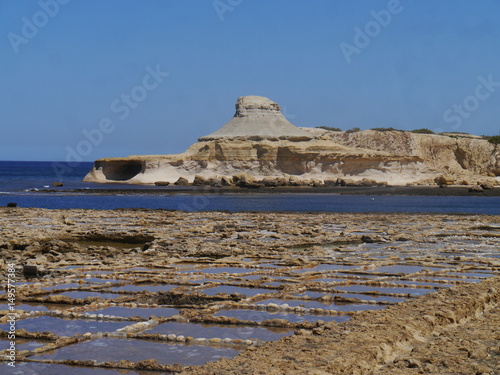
x=258 y=118
x=260 y=142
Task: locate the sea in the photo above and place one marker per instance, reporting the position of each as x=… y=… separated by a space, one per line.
x=29 y=184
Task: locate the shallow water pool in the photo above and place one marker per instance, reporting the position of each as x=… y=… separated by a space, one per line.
x=260 y=316
x=114 y=350
x=65 y=327
x=220 y=331
x=127 y=312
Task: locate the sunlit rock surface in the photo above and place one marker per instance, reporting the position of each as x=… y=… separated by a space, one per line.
x=259 y=141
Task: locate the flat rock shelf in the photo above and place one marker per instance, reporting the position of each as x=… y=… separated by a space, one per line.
x=141 y=291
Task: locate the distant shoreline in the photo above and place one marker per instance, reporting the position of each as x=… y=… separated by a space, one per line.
x=350 y=190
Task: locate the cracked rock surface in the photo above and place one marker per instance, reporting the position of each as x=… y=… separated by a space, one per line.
x=320 y=293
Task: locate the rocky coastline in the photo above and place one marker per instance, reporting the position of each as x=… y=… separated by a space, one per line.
x=320 y=293
x=260 y=146
x=452 y=190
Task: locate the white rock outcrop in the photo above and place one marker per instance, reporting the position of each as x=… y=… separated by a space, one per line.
x=260 y=142
x=258 y=118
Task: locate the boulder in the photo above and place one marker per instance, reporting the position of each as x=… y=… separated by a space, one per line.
x=476 y=189
x=181 y=182
x=275 y=181
x=341 y=182
x=317 y=183
x=294 y=181
x=57 y=184
x=243 y=180
x=349 y=182
x=487 y=185
x=200 y=181
x=270 y=182
x=368 y=182
x=282 y=181
x=162 y=183
x=215 y=181
x=226 y=181
x=442 y=180
x=11 y=204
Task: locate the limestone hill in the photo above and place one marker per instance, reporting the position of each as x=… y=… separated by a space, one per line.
x=261 y=144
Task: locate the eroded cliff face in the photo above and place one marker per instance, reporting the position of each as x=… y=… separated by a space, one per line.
x=394 y=157
x=453 y=155
x=259 y=141
x=320 y=159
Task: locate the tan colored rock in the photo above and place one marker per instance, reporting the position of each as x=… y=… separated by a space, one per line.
x=348 y=182
x=329 y=182
x=294 y=181
x=317 y=183
x=256 y=118
x=243 y=179
x=442 y=180
x=162 y=183
x=487 y=185
x=259 y=141
x=215 y=181
x=226 y=181
x=368 y=182
x=181 y=181
x=200 y=181
x=476 y=189
x=270 y=181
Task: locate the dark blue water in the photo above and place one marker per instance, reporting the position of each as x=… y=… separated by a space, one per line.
x=17 y=179
x=24 y=175
x=16 y=176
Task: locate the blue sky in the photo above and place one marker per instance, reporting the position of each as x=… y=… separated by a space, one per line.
x=85 y=79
